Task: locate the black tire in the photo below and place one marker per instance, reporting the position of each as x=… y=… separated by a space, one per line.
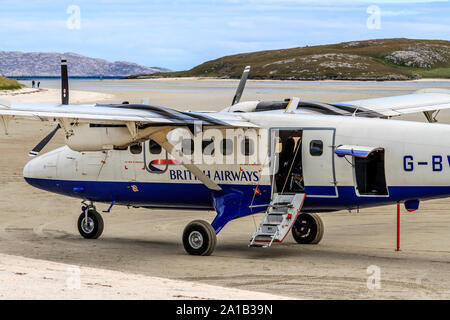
x=199 y=238
x=95 y=227
x=308 y=228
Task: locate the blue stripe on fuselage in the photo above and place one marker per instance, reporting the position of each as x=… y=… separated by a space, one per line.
x=149 y=194
x=156 y=194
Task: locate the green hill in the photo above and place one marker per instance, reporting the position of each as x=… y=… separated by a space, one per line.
x=9 y=84
x=380 y=59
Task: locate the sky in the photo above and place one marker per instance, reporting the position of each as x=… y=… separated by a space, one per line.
x=180 y=34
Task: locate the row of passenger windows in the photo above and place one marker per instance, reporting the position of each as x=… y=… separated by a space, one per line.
x=226 y=147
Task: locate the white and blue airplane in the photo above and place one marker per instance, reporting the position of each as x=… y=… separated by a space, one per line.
x=290 y=159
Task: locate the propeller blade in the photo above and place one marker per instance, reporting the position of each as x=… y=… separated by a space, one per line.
x=43 y=142
x=241 y=86
x=64 y=83
x=292 y=105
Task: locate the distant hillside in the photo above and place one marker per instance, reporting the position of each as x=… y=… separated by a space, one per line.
x=21 y=64
x=381 y=59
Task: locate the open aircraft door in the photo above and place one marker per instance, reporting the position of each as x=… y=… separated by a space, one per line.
x=318 y=163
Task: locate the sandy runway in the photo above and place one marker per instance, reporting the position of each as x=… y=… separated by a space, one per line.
x=139 y=242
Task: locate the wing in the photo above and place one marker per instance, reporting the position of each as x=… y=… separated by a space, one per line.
x=120 y=113
x=426 y=100
x=161 y=121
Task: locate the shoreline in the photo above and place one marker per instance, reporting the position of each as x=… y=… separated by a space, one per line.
x=197 y=93
x=280 y=80
x=44 y=95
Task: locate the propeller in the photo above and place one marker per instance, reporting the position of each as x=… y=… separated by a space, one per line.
x=241 y=86
x=43 y=142
x=64 y=101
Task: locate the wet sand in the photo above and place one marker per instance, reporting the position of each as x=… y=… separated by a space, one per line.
x=38 y=225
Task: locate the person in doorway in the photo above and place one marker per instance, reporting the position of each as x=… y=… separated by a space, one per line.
x=286 y=158
x=296 y=181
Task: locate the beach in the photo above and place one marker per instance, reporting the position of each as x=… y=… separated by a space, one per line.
x=142 y=249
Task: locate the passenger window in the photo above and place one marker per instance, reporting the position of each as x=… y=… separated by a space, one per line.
x=316 y=147
x=155 y=148
x=247 y=147
x=136 y=148
x=187 y=147
x=226 y=147
x=208 y=147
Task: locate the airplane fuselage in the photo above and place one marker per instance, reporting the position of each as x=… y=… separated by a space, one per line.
x=415 y=162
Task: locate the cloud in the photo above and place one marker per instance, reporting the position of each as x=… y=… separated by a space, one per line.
x=180 y=34
x=390 y=13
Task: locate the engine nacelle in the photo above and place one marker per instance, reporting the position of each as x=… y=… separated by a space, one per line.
x=98 y=137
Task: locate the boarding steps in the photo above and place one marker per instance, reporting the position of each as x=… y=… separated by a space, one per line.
x=278 y=219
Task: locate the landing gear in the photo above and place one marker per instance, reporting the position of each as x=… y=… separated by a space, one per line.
x=308 y=228
x=90 y=223
x=199 y=238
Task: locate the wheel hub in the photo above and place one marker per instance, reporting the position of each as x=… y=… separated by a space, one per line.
x=195 y=239
x=87 y=226
x=303 y=229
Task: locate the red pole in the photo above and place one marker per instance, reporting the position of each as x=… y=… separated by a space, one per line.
x=398 y=226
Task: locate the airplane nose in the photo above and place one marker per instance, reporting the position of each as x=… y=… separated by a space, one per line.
x=28 y=170
x=42 y=167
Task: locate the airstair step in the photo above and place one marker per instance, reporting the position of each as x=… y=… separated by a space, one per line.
x=258 y=245
x=276 y=213
x=278 y=206
x=265 y=234
x=277 y=223
x=283 y=203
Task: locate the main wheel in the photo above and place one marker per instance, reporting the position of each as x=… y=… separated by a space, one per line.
x=93 y=227
x=308 y=228
x=199 y=238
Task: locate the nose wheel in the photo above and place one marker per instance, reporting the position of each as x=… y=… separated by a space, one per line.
x=199 y=238
x=90 y=223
